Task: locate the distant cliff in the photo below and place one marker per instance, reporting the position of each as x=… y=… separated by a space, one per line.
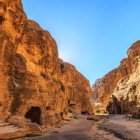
x=122 y=82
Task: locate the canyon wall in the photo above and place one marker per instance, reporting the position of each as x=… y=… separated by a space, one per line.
x=34 y=80
x=121 y=83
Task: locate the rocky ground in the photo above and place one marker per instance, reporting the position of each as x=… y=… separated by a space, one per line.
x=83 y=129
x=122 y=128
x=115 y=127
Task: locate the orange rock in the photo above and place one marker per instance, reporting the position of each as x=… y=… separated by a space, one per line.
x=35 y=83
x=104 y=88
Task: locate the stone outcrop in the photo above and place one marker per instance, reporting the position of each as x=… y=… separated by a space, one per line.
x=126 y=96
x=35 y=83
x=122 y=83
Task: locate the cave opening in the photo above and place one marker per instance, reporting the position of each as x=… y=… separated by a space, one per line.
x=119 y=110
x=1 y=19
x=34 y=114
x=84 y=113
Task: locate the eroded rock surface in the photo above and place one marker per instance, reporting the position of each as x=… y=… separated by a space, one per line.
x=34 y=81
x=122 y=83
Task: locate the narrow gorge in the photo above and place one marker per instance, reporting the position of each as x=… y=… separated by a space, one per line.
x=42 y=97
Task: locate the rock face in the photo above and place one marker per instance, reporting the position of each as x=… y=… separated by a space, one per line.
x=122 y=82
x=35 y=83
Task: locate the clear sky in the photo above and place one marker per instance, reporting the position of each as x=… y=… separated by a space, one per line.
x=93 y=35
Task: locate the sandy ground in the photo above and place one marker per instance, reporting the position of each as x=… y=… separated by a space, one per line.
x=82 y=129
x=113 y=128
x=122 y=128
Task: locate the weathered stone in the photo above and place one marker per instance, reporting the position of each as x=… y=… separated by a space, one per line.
x=34 y=81
x=123 y=83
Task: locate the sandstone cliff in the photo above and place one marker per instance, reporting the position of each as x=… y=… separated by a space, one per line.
x=120 y=82
x=34 y=81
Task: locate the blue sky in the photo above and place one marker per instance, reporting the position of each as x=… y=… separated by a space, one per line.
x=93 y=35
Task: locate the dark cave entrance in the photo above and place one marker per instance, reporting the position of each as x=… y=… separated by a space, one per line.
x=34 y=114
x=1 y=19
x=119 y=110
